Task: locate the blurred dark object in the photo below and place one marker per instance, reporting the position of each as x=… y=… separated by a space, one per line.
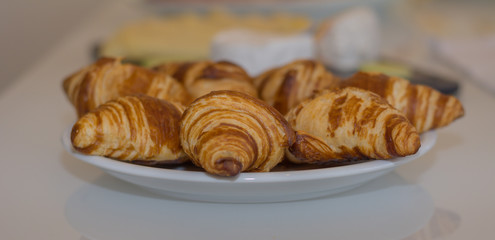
x=441 y=83
x=414 y=75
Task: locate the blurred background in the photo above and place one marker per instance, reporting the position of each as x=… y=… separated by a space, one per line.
x=411 y=29
x=30 y=28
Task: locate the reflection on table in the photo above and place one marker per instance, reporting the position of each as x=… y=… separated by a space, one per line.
x=107 y=208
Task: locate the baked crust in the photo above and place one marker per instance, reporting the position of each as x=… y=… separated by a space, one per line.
x=228 y=132
x=136 y=128
x=108 y=79
x=203 y=77
x=349 y=124
x=286 y=86
x=424 y=106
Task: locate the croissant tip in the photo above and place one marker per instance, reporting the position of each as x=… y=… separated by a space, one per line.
x=81 y=138
x=415 y=144
x=410 y=144
x=229 y=166
x=84 y=136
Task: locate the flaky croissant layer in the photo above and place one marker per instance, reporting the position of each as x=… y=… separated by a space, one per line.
x=286 y=86
x=425 y=107
x=350 y=124
x=108 y=79
x=202 y=77
x=131 y=128
x=228 y=132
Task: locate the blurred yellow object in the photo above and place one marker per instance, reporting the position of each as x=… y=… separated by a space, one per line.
x=388 y=68
x=187 y=36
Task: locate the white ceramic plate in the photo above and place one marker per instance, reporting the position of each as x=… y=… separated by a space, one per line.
x=276 y=186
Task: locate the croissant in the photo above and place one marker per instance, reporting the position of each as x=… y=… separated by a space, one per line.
x=286 y=86
x=139 y=128
x=108 y=78
x=227 y=132
x=202 y=77
x=425 y=107
x=349 y=124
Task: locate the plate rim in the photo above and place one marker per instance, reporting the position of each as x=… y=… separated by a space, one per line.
x=428 y=140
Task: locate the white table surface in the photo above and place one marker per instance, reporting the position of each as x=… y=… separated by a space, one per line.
x=47 y=194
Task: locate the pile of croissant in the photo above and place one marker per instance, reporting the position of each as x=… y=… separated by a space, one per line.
x=223 y=120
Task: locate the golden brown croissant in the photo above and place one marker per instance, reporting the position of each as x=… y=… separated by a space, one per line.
x=349 y=124
x=228 y=132
x=202 y=77
x=135 y=128
x=425 y=107
x=287 y=86
x=108 y=78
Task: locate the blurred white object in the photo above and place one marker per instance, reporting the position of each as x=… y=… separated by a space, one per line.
x=348 y=39
x=257 y=51
x=474 y=56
